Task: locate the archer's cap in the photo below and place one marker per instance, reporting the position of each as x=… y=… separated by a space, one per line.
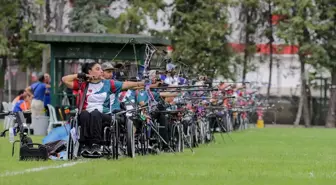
x=107 y=66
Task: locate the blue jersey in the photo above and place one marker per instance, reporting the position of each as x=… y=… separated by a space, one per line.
x=47 y=97
x=17 y=106
x=39 y=90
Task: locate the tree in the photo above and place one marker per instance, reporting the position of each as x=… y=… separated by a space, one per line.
x=198 y=33
x=269 y=34
x=15 y=27
x=134 y=16
x=30 y=53
x=251 y=15
x=299 y=28
x=87 y=16
x=8 y=26
x=326 y=35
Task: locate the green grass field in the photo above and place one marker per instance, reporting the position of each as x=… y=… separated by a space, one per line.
x=269 y=156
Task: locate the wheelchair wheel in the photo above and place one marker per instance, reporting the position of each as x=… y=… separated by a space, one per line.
x=229 y=124
x=144 y=140
x=241 y=123
x=189 y=135
x=108 y=142
x=246 y=122
x=207 y=132
x=115 y=140
x=71 y=145
x=194 y=135
x=181 y=136
x=130 y=139
x=200 y=130
x=176 y=138
x=69 y=148
x=236 y=123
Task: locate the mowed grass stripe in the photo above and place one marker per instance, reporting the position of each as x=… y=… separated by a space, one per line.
x=257 y=156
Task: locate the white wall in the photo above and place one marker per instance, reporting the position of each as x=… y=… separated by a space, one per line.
x=285 y=78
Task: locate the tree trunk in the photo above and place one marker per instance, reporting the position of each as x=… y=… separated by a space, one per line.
x=247 y=43
x=245 y=65
x=303 y=109
x=59 y=15
x=331 y=117
x=9 y=80
x=310 y=100
x=299 y=112
x=270 y=38
x=305 y=104
x=48 y=15
x=28 y=76
x=41 y=30
x=2 y=71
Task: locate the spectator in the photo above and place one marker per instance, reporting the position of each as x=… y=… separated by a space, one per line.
x=27 y=101
x=38 y=91
x=20 y=104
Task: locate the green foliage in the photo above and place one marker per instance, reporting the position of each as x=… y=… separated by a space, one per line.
x=311 y=25
x=88 y=16
x=40 y=2
x=133 y=19
x=30 y=53
x=326 y=33
x=199 y=30
x=14 y=41
x=300 y=28
x=4 y=50
x=8 y=26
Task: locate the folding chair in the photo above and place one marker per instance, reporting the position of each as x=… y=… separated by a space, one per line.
x=53 y=121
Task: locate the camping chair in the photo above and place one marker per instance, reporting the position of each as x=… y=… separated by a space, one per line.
x=5 y=107
x=24 y=122
x=9 y=118
x=14 y=119
x=53 y=121
x=10 y=106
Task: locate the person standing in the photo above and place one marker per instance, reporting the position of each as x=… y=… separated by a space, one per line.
x=38 y=91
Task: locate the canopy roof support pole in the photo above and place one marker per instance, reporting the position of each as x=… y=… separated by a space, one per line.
x=52 y=76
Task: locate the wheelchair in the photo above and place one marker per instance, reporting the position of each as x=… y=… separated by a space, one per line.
x=195 y=127
x=156 y=132
x=115 y=137
x=175 y=129
x=148 y=139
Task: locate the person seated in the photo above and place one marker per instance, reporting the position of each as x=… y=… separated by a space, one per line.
x=97 y=106
x=17 y=98
x=20 y=105
x=144 y=97
x=27 y=100
x=108 y=70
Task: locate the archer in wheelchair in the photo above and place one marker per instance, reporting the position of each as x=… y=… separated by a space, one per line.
x=156 y=115
x=94 y=104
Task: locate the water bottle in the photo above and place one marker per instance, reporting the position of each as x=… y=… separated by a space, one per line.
x=11 y=135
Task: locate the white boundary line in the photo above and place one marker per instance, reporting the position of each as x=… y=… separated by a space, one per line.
x=6 y=174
